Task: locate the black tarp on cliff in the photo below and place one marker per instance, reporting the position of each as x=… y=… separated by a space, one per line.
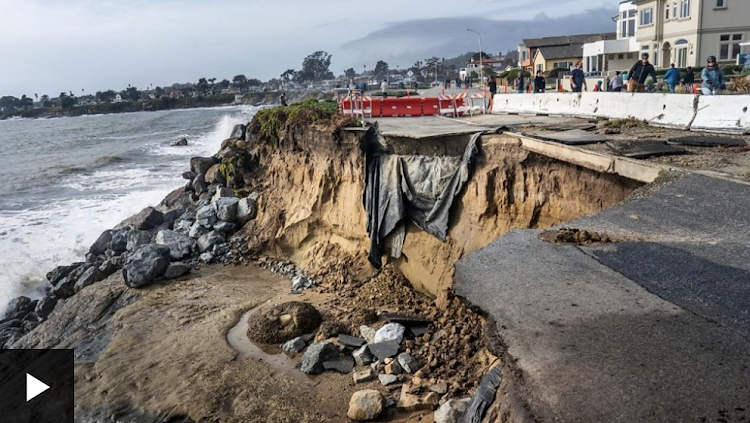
x=419 y=188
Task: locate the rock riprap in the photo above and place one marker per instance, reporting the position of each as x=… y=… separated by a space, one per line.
x=145 y=265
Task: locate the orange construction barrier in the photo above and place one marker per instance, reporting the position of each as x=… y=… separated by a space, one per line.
x=401 y=107
x=430 y=106
x=346 y=106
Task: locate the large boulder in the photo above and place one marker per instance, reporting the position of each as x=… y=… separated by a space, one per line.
x=102 y=243
x=366 y=405
x=60 y=272
x=207 y=241
x=111 y=265
x=10 y=332
x=119 y=241
x=222 y=192
x=214 y=176
x=283 y=322
x=316 y=355
x=206 y=216
x=137 y=238
x=238 y=131
x=45 y=306
x=199 y=184
x=226 y=208
x=66 y=287
x=19 y=305
x=197 y=230
x=180 y=245
x=247 y=209
x=90 y=276
x=202 y=164
x=145 y=265
x=146 y=219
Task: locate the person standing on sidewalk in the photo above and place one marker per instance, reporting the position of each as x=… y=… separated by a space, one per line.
x=521 y=85
x=689 y=80
x=540 y=84
x=713 y=77
x=492 y=86
x=638 y=74
x=672 y=77
x=384 y=88
x=578 y=78
x=616 y=83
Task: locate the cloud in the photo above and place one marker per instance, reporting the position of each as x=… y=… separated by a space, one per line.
x=406 y=42
x=51 y=46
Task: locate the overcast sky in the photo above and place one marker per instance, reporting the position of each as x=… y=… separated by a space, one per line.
x=49 y=46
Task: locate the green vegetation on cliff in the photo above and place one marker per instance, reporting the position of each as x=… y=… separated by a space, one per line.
x=267 y=124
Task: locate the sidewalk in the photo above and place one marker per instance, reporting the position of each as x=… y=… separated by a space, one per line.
x=655 y=328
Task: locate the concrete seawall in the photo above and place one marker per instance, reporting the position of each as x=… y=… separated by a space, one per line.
x=721 y=114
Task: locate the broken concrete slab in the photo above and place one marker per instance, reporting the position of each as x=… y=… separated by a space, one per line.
x=350 y=341
x=593 y=345
x=383 y=350
x=570 y=137
x=708 y=141
x=643 y=149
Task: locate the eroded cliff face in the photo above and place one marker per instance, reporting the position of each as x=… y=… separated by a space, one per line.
x=311 y=200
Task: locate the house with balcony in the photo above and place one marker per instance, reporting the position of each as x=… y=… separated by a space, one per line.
x=609 y=54
x=686 y=32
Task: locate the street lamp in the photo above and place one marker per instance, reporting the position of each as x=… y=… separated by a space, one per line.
x=481 y=68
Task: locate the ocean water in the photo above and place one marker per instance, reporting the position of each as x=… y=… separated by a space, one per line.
x=63 y=181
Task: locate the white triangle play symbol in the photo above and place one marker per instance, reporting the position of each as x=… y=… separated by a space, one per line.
x=34 y=387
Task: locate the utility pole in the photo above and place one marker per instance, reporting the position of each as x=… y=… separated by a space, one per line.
x=481 y=67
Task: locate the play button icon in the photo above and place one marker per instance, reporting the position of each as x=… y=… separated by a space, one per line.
x=37 y=386
x=34 y=387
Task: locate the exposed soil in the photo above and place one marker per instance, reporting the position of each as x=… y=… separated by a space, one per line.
x=574 y=236
x=283 y=322
x=161 y=353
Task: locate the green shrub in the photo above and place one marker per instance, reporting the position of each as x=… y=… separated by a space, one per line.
x=267 y=124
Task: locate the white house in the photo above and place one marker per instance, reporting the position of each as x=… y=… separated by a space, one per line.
x=607 y=56
x=686 y=32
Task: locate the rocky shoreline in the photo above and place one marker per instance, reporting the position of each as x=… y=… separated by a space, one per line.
x=191 y=226
x=408 y=352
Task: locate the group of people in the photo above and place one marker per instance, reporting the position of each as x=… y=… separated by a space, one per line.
x=712 y=77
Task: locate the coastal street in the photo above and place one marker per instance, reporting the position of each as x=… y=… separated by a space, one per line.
x=653 y=327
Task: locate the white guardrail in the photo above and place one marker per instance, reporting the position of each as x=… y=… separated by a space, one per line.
x=725 y=114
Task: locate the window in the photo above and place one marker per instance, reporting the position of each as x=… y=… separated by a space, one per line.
x=620 y=56
x=684 y=8
x=729 y=46
x=656 y=55
x=562 y=65
x=682 y=57
x=666 y=12
x=721 y=4
x=674 y=9
x=647 y=16
x=627 y=24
